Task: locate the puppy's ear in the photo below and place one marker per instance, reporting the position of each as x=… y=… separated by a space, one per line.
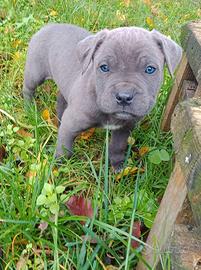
x=171 y=50
x=87 y=47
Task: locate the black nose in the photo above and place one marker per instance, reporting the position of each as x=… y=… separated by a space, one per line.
x=124 y=99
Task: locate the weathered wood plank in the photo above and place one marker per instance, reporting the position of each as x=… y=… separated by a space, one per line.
x=186 y=127
x=185 y=179
x=170 y=206
x=188 y=89
x=191 y=42
x=198 y=91
x=184 y=72
x=185 y=248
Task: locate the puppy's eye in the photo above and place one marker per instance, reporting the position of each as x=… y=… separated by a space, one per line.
x=104 y=68
x=150 y=70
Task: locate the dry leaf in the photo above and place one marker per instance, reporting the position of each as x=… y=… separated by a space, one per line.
x=147 y=2
x=43 y=226
x=24 y=133
x=16 y=43
x=80 y=206
x=131 y=140
x=31 y=174
x=143 y=150
x=127 y=2
x=46 y=115
x=150 y=22
x=111 y=267
x=127 y=171
x=86 y=135
x=137 y=233
x=120 y=16
x=2 y=152
x=53 y=13
x=17 y=55
x=154 y=10
x=22 y=263
x=55 y=172
x=55 y=121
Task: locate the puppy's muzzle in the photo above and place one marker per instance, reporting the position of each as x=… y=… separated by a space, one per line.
x=124 y=98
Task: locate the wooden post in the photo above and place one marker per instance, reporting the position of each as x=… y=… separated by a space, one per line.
x=189 y=69
x=185 y=182
x=184 y=72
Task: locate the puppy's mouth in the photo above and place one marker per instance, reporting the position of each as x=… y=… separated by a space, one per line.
x=123 y=115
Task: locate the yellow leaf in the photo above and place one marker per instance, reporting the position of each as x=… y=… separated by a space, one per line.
x=24 y=133
x=55 y=172
x=143 y=150
x=150 y=22
x=154 y=10
x=16 y=43
x=31 y=174
x=148 y=2
x=131 y=140
x=111 y=267
x=127 y=2
x=120 y=16
x=86 y=135
x=17 y=55
x=53 y=13
x=46 y=115
x=127 y=171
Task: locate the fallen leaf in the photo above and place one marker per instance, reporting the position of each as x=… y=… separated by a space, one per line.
x=147 y=2
x=86 y=135
x=127 y=171
x=17 y=55
x=150 y=22
x=154 y=10
x=1 y=252
x=43 y=226
x=22 y=132
x=9 y=29
x=53 y=13
x=3 y=14
x=120 y=16
x=2 y=152
x=55 y=121
x=46 y=115
x=145 y=124
x=111 y=267
x=131 y=140
x=16 y=43
x=127 y=2
x=31 y=174
x=80 y=206
x=22 y=262
x=137 y=233
x=143 y=150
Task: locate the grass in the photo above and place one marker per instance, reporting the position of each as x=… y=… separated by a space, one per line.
x=29 y=162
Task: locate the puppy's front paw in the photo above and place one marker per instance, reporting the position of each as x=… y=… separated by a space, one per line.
x=118 y=168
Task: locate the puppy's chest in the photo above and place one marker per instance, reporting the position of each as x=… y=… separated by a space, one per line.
x=111 y=123
x=111 y=126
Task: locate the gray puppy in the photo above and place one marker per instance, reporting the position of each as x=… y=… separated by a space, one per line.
x=109 y=79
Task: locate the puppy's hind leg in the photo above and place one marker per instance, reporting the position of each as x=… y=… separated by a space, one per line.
x=36 y=71
x=61 y=106
x=32 y=79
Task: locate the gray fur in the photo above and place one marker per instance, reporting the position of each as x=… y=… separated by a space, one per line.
x=71 y=56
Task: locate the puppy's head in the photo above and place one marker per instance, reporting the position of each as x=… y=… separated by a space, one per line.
x=128 y=67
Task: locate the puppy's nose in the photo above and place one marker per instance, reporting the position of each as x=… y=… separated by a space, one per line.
x=124 y=99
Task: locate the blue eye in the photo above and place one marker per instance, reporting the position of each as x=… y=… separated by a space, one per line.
x=150 y=70
x=104 y=68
